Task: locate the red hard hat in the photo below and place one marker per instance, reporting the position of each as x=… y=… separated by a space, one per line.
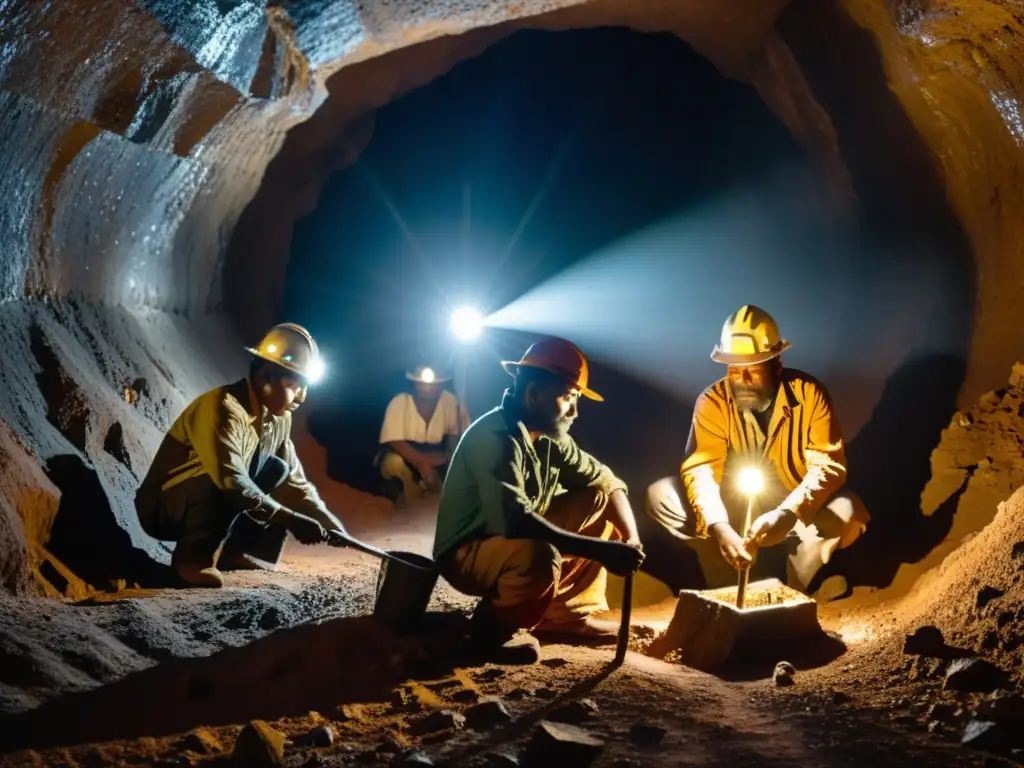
x=560 y=357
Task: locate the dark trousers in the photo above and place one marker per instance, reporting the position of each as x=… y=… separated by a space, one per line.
x=210 y=530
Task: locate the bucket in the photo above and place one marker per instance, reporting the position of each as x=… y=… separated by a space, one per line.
x=403 y=592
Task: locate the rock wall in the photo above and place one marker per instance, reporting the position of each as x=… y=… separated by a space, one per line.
x=155 y=155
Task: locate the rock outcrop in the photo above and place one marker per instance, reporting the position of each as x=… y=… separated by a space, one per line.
x=153 y=152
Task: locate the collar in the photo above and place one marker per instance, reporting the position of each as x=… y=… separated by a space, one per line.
x=257 y=413
x=512 y=412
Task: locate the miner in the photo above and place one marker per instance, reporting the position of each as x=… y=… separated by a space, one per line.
x=226 y=484
x=780 y=421
x=529 y=522
x=418 y=436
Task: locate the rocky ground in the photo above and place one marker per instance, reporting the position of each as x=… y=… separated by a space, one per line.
x=286 y=668
x=289 y=668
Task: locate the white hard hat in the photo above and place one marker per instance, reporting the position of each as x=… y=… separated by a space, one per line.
x=749 y=336
x=292 y=347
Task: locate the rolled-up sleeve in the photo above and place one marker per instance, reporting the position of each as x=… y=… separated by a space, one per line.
x=217 y=432
x=825 y=457
x=701 y=471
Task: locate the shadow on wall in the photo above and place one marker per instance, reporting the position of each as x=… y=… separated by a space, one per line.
x=890 y=464
x=904 y=204
x=86 y=536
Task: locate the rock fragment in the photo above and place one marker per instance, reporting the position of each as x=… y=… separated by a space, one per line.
x=320 y=736
x=489 y=713
x=974 y=675
x=415 y=759
x=575 y=712
x=784 y=674
x=441 y=720
x=201 y=741
x=925 y=641
x=562 y=745
x=259 y=745
x=555 y=663
x=501 y=760
x=646 y=734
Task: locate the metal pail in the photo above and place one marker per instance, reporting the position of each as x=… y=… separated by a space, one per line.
x=403 y=592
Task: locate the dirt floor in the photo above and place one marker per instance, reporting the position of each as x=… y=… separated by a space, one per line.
x=171 y=677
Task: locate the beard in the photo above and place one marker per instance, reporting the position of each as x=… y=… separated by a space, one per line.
x=753 y=399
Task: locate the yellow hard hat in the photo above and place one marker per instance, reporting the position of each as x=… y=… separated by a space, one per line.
x=749 y=336
x=292 y=347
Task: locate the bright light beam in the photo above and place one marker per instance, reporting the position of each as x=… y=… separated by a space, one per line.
x=466 y=324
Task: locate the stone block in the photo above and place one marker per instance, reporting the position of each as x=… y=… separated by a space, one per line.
x=709 y=631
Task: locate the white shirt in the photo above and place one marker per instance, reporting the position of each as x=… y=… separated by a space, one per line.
x=402 y=421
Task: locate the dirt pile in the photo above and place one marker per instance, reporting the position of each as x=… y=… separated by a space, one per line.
x=943 y=648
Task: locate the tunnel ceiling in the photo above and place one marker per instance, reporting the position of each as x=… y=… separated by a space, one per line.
x=155 y=155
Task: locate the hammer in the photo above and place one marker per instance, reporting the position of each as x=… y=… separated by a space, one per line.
x=627 y=609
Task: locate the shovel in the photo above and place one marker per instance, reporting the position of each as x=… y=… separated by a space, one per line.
x=344 y=539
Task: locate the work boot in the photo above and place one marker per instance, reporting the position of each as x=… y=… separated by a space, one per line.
x=495 y=642
x=252 y=546
x=587 y=630
x=196 y=571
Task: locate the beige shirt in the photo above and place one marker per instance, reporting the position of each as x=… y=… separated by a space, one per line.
x=218 y=435
x=403 y=422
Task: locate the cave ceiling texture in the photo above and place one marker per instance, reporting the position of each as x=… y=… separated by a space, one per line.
x=155 y=155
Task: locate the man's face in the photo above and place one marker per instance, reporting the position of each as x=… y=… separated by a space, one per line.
x=426 y=391
x=754 y=386
x=283 y=393
x=552 y=409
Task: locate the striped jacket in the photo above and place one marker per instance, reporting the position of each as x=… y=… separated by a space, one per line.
x=803 y=455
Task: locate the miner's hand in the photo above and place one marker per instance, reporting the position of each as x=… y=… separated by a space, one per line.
x=306 y=529
x=770 y=528
x=731 y=546
x=621 y=558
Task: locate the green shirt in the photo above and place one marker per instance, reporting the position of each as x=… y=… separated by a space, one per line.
x=498 y=474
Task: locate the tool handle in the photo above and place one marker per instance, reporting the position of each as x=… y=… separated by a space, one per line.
x=344 y=539
x=741 y=590
x=627 y=610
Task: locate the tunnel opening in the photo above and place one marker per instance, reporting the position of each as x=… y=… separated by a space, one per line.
x=630 y=202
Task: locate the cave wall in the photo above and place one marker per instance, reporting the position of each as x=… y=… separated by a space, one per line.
x=136 y=135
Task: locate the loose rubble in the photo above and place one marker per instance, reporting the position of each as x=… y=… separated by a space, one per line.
x=562 y=745
x=784 y=674
x=259 y=744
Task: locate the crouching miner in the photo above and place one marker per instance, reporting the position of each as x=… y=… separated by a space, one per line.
x=527 y=521
x=780 y=421
x=226 y=484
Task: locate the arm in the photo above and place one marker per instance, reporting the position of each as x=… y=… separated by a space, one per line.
x=508 y=510
x=825 y=456
x=299 y=494
x=217 y=431
x=578 y=469
x=701 y=472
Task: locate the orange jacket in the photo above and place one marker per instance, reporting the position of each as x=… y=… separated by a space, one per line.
x=803 y=455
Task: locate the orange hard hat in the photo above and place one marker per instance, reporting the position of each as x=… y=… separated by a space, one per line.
x=560 y=357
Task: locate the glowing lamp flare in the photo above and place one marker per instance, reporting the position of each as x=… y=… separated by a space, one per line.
x=466 y=324
x=751 y=481
x=428 y=376
x=315 y=371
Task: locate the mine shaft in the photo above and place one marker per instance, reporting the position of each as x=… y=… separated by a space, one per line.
x=607 y=383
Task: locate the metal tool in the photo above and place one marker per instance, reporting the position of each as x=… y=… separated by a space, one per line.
x=627 y=610
x=741 y=588
x=751 y=483
x=344 y=539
